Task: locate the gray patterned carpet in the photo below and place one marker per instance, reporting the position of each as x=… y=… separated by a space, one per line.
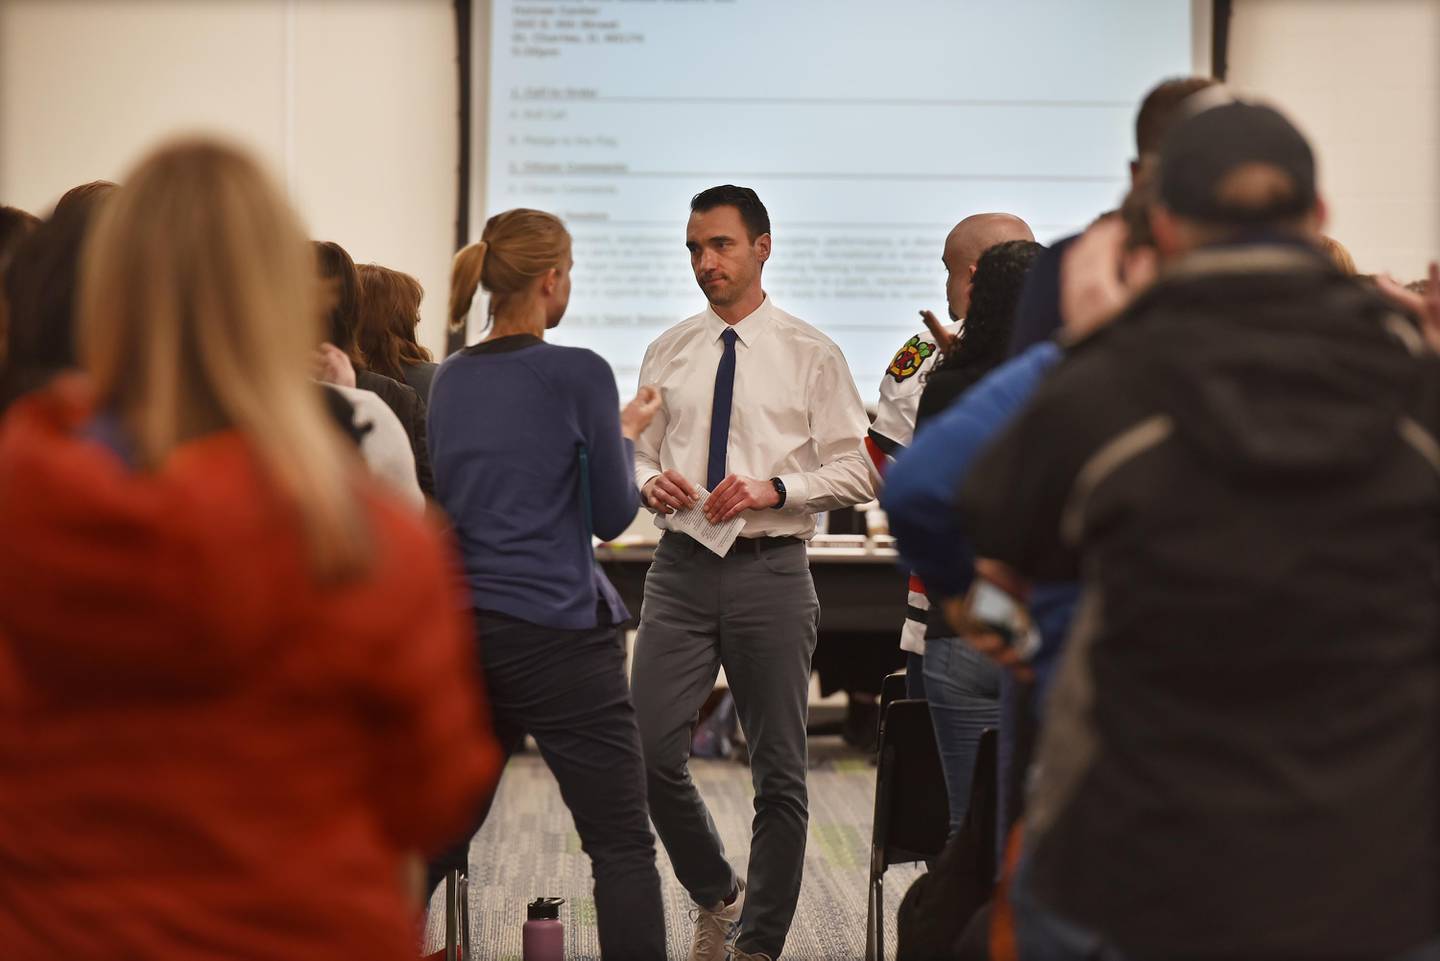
x=529 y=849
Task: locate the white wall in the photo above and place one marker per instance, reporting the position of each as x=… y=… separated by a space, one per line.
x=353 y=105
x=1362 y=79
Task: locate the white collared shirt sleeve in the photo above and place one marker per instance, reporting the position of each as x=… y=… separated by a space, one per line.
x=647 y=445
x=837 y=429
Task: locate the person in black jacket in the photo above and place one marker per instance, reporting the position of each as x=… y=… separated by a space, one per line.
x=338 y=269
x=1242 y=470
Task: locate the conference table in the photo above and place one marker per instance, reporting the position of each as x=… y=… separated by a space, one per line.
x=862 y=593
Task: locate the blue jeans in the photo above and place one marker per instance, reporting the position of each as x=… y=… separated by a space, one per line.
x=964 y=692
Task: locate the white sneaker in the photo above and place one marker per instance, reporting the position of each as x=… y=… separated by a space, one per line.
x=715 y=928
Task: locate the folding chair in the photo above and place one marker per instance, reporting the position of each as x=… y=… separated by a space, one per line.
x=891 y=689
x=457 y=917
x=912 y=816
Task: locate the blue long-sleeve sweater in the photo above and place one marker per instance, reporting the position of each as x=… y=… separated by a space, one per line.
x=508 y=419
x=920 y=490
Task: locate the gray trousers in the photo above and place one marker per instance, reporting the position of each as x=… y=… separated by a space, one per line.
x=755 y=612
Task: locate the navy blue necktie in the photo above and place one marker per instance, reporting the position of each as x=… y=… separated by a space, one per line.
x=720 y=411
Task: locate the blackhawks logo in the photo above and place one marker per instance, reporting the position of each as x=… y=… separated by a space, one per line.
x=911 y=356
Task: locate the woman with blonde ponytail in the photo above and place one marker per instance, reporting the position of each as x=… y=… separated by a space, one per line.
x=533 y=459
x=232 y=674
x=465 y=283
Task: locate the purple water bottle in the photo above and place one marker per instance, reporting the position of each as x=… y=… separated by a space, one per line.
x=544 y=937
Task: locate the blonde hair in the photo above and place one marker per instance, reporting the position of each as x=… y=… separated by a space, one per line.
x=389 y=312
x=1338 y=255
x=198 y=312
x=515 y=248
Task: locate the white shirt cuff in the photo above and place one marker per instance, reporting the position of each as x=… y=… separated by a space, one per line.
x=797 y=492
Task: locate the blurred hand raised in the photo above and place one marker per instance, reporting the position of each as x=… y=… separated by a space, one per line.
x=639 y=412
x=944 y=340
x=1098 y=279
x=1426 y=306
x=330 y=365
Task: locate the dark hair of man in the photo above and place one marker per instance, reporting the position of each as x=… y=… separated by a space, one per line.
x=40 y=294
x=994 y=296
x=15 y=226
x=1160 y=108
x=1135 y=209
x=337 y=267
x=752 y=212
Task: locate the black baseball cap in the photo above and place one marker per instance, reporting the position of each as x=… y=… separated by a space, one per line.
x=1201 y=150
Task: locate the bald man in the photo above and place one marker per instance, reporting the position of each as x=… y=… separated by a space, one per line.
x=964 y=244
x=904 y=379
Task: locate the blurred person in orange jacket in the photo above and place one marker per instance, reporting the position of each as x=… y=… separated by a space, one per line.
x=235 y=678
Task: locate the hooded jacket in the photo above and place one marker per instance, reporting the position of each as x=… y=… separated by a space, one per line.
x=204 y=752
x=1240 y=756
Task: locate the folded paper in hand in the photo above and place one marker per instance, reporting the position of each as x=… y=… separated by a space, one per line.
x=717 y=537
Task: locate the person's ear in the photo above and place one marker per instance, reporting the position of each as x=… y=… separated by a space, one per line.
x=762 y=248
x=1168 y=234
x=1321 y=214
x=549 y=281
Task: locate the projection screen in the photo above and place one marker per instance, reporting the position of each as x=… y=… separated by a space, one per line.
x=869 y=129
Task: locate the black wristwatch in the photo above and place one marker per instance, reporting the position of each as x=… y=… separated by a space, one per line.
x=779 y=486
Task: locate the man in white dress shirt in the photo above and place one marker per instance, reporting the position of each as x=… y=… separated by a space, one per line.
x=760 y=409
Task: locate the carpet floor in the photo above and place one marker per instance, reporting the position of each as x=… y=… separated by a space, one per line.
x=529 y=848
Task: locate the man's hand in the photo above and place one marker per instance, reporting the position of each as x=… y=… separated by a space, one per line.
x=986 y=642
x=944 y=340
x=976 y=633
x=735 y=494
x=1425 y=306
x=1003 y=576
x=668 y=492
x=330 y=365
